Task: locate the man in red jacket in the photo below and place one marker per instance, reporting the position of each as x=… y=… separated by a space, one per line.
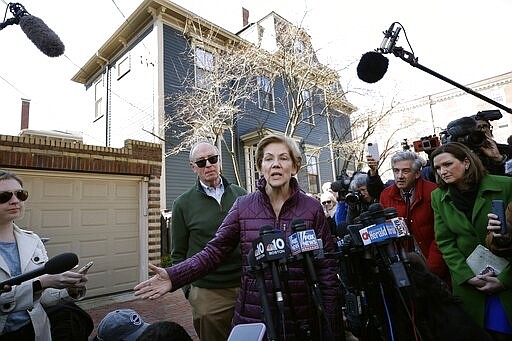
x=410 y=195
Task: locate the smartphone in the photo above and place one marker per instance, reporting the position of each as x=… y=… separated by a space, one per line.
x=85 y=268
x=247 y=332
x=373 y=150
x=498 y=208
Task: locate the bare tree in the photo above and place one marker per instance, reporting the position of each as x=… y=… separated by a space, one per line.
x=231 y=80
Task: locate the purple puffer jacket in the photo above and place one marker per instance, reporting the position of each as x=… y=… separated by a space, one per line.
x=242 y=225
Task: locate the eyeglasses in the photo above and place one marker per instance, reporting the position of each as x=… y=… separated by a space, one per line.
x=212 y=160
x=326 y=202
x=21 y=194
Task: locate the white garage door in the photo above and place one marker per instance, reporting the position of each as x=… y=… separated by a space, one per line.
x=95 y=216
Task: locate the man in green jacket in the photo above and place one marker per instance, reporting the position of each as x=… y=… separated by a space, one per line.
x=196 y=216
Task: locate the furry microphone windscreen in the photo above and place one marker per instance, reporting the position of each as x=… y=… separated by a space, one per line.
x=42 y=36
x=372 y=67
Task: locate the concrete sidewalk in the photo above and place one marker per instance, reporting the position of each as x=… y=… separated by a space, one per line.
x=171 y=307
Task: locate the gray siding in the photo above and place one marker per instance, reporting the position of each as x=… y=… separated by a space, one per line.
x=179 y=177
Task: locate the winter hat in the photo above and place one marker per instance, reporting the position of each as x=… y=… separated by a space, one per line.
x=121 y=324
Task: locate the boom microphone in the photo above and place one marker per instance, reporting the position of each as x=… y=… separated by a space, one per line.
x=42 y=36
x=56 y=265
x=372 y=67
x=37 y=31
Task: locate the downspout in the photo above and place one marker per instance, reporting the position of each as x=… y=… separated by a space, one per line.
x=107 y=101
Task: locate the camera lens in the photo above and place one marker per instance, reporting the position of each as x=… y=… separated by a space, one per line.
x=352 y=198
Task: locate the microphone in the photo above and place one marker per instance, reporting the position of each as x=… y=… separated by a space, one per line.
x=56 y=265
x=383 y=232
x=270 y=248
x=260 y=281
x=372 y=67
x=306 y=239
x=387 y=34
x=390 y=38
x=46 y=40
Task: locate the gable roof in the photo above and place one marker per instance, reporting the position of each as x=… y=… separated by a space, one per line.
x=145 y=15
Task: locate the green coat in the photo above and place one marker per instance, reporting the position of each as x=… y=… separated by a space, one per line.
x=457 y=237
x=195 y=220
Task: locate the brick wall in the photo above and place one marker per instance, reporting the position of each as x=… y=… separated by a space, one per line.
x=135 y=158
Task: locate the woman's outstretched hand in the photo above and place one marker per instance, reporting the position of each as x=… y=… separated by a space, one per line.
x=156 y=286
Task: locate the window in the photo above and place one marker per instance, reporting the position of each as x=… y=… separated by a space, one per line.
x=123 y=67
x=312 y=168
x=98 y=98
x=307 y=107
x=265 y=93
x=298 y=46
x=251 y=175
x=203 y=61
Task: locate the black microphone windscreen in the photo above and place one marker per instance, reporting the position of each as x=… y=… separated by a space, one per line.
x=266 y=229
x=42 y=36
x=372 y=67
x=390 y=212
x=60 y=263
x=298 y=225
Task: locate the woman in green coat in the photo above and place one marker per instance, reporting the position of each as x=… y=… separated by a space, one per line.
x=461 y=206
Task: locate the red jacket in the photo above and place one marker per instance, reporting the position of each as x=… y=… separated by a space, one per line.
x=421 y=222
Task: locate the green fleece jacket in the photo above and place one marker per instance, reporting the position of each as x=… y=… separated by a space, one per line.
x=195 y=220
x=457 y=237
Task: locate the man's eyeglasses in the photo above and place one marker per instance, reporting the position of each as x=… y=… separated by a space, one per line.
x=326 y=202
x=21 y=194
x=212 y=160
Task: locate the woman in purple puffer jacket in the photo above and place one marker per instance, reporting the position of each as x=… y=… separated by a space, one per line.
x=277 y=202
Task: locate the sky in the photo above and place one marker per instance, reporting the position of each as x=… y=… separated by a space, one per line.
x=464 y=40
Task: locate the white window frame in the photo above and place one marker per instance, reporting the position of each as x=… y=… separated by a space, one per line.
x=124 y=66
x=313 y=170
x=266 y=98
x=307 y=107
x=204 y=62
x=98 y=98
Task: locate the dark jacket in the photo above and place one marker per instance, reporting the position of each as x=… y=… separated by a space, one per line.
x=196 y=217
x=242 y=225
x=457 y=237
x=421 y=221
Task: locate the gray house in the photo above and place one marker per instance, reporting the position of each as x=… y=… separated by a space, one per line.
x=143 y=78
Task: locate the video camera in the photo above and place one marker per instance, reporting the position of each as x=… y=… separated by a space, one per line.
x=426 y=143
x=341 y=185
x=465 y=131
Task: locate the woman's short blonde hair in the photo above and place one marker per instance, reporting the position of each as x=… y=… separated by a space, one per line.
x=292 y=145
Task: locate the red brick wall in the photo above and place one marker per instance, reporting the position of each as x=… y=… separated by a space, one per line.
x=135 y=158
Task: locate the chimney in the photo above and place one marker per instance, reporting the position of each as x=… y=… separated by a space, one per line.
x=245 y=16
x=25 y=109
